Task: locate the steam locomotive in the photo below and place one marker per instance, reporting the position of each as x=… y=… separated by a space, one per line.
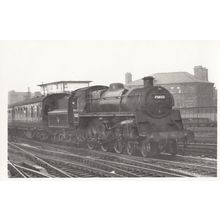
x=109 y=118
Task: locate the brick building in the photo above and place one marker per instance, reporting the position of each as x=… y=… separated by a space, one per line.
x=188 y=90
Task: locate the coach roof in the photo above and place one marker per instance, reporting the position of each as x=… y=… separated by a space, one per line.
x=35 y=99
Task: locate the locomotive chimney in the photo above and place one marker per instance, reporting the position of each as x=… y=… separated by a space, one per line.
x=148 y=81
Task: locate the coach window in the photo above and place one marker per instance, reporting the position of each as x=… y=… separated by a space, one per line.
x=26 y=112
x=29 y=111
x=37 y=109
x=17 y=114
x=74 y=104
x=19 y=111
x=40 y=111
x=32 y=111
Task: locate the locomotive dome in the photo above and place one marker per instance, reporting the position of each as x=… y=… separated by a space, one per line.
x=116 y=86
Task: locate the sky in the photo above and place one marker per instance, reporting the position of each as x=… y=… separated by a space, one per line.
x=26 y=64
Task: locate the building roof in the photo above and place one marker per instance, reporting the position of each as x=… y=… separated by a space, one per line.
x=27 y=101
x=13 y=92
x=59 y=82
x=170 y=78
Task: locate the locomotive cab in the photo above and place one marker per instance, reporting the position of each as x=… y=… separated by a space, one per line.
x=55 y=110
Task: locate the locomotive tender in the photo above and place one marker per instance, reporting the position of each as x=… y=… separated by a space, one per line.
x=103 y=117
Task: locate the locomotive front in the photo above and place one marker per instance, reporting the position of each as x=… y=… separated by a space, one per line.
x=158 y=101
x=158 y=123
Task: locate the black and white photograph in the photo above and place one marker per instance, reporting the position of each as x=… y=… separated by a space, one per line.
x=111 y=109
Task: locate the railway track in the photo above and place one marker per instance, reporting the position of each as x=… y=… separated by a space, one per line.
x=54 y=167
x=30 y=157
x=199 y=149
x=97 y=165
x=188 y=166
x=18 y=171
x=192 y=169
x=121 y=165
x=193 y=149
x=122 y=169
x=28 y=172
x=178 y=158
x=14 y=171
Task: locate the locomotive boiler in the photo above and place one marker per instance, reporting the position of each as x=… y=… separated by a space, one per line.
x=112 y=118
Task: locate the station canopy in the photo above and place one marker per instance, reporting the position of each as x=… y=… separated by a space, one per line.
x=62 y=86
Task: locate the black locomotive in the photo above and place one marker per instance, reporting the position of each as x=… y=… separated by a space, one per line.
x=103 y=117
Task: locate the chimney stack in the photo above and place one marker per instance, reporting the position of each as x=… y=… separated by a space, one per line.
x=148 y=81
x=201 y=73
x=28 y=94
x=128 y=78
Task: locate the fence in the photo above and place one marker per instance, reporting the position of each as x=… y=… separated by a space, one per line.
x=202 y=121
x=209 y=112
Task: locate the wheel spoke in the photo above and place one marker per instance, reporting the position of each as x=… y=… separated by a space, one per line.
x=130 y=148
x=104 y=147
x=145 y=148
x=119 y=146
x=91 y=144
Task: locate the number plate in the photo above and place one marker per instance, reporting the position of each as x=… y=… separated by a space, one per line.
x=159 y=97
